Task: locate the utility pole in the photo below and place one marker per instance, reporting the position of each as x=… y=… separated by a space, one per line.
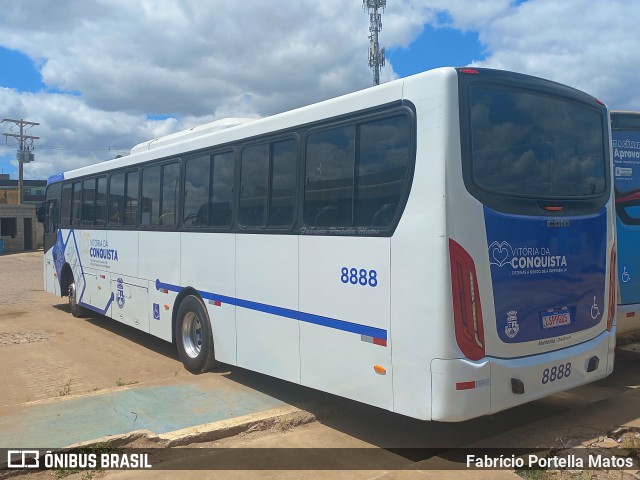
x=376 y=56
x=25 y=152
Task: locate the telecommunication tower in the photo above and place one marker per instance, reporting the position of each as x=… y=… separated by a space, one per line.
x=376 y=55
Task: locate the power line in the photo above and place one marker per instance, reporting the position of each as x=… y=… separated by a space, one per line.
x=82 y=149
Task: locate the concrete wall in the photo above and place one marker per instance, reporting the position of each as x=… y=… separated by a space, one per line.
x=16 y=243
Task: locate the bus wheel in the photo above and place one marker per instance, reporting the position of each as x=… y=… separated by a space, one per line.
x=193 y=336
x=75 y=309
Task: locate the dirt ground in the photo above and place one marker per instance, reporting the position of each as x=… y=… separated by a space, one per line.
x=49 y=353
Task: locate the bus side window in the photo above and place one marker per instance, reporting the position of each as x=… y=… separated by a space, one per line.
x=254 y=185
x=283 y=183
x=88 y=202
x=383 y=158
x=52 y=208
x=101 y=202
x=150 y=211
x=65 y=205
x=76 y=205
x=116 y=199
x=51 y=224
x=170 y=188
x=197 y=184
x=221 y=196
x=131 y=199
x=330 y=161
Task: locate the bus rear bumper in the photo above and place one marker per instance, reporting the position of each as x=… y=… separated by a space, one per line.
x=463 y=389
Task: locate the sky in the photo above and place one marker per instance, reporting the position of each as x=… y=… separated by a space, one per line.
x=100 y=76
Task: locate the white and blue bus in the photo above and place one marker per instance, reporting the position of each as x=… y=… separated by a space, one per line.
x=625 y=137
x=441 y=246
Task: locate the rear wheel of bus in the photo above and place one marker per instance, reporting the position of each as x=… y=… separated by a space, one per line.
x=193 y=335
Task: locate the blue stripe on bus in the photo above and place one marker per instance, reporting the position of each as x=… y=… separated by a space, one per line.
x=285 y=312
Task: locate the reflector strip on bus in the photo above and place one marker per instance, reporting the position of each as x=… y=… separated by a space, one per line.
x=465 y=385
x=473 y=384
x=376 y=341
x=378 y=334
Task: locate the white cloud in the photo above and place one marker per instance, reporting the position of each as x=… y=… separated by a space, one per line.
x=193 y=56
x=584 y=44
x=87 y=135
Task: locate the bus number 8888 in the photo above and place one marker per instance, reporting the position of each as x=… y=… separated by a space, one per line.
x=556 y=372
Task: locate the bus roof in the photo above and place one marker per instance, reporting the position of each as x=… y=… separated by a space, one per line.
x=193 y=132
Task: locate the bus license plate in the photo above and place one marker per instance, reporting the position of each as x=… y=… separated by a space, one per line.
x=556 y=318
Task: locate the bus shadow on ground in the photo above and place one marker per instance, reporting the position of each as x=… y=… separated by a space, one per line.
x=391 y=431
x=139 y=337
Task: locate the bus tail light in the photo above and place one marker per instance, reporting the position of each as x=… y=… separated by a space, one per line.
x=612 y=289
x=467 y=311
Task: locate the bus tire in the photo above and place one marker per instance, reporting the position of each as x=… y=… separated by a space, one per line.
x=75 y=309
x=194 y=337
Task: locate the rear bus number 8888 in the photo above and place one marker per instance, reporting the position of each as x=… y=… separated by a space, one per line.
x=557 y=372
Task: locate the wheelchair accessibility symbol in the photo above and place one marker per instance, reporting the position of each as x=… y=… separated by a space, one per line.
x=595 y=310
x=625 y=277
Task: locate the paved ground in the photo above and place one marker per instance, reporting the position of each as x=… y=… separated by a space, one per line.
x=157 y=408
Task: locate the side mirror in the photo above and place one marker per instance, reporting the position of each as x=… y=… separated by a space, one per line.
x=41 y=212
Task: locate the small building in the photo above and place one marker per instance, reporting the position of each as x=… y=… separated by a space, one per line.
x=33 y=191
x=19 y=227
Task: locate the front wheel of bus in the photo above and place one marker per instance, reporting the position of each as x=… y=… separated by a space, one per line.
x=75 y=309
x=193 y=336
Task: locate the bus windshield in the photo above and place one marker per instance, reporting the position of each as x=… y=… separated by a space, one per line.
x=534 y=145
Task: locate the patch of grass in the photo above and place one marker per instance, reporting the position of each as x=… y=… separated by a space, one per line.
x=122 y=383
x=536 y=474
x=65 y=390
x=530 y=474
x=63 y=472
x=103 y=447
x=97 y=449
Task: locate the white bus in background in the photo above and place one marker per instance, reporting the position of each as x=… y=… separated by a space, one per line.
x=441 y=246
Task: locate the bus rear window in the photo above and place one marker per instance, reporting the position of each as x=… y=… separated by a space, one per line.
x=534 y=145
